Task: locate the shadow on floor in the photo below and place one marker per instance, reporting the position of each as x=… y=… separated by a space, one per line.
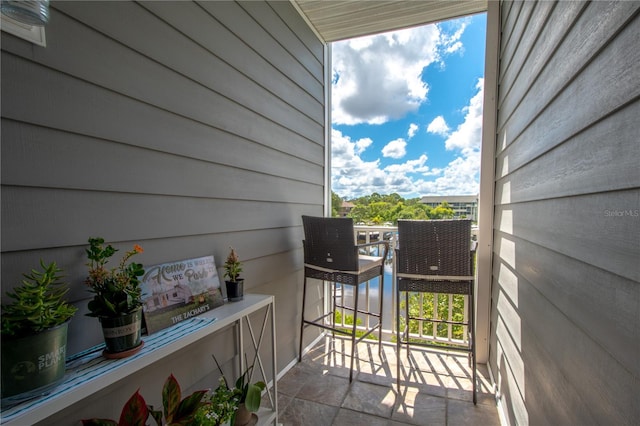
x=436 y=388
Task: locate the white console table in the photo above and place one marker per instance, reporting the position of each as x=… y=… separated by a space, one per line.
x=89 y=372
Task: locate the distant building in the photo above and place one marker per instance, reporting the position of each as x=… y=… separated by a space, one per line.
x=345 y=208
x=462 y=205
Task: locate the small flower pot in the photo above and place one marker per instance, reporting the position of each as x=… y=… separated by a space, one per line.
x=122 y=333
x=235 y=290
x=244 y=417
x=33 y=365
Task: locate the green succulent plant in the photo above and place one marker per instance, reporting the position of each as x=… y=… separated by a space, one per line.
x=38 y=303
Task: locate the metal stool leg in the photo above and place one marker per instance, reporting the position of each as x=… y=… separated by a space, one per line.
x=304 y=298
x=380 y=311
x=398 y=339
x=473 y=346
x=353 y=331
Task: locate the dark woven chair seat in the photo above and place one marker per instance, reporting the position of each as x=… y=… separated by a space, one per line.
x=449 y=287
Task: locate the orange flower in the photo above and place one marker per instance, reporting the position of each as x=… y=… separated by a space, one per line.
x=137 y=248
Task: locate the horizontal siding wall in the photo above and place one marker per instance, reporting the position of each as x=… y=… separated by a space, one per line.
x=565 y=340
x=185 y=127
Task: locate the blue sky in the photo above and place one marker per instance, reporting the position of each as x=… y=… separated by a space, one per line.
x=407 y=111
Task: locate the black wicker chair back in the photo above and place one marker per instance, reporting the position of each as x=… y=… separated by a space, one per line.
x=329 y=242
x=434 y=247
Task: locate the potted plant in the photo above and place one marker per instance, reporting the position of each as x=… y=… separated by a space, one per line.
x=234 y=406
x=176 y=411
x=235 y=284
x=116 y=298
x=220 y=407
x=249 y=395
x=34 y=334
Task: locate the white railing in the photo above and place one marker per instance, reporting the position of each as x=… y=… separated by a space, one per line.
x=449 y=304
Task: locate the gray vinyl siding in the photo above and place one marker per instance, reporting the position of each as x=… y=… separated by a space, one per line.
x=185 y=127
x=565 y=339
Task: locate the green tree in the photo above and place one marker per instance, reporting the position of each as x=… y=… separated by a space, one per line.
x=359 y=213
x=443 y=211
x=336 y=203
x=378 y=209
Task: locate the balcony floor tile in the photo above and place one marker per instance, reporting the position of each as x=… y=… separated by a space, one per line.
x=436 y=388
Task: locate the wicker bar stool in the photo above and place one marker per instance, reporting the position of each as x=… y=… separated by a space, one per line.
x=332 y=255
x=435 y=256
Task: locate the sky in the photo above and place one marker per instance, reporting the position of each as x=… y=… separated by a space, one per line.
x=407 y=111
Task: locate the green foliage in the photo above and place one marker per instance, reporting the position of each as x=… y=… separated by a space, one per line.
x=442 y=303
x=232 y=266
x=443 y=211
x=224 y=401
x=176 y=411
x=336 y=203
x=221 y=406
x=376 y=209
x=38 y=303
x=348 y=320
x=250 y=393
x=116 y=291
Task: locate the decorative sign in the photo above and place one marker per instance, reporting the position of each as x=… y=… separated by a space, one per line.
x=176 y=291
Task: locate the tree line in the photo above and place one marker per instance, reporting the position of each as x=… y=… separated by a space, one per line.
x=377 y=209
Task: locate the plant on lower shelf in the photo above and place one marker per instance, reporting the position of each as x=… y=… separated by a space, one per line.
x=231 y=405
x=176 y=411
x=221 y=405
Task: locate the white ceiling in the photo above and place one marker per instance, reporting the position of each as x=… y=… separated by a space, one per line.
x=334 y=20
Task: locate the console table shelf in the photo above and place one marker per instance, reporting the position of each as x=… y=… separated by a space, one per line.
x=89 y=372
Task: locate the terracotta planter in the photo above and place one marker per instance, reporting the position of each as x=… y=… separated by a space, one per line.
x=243 y=416
x=122 y=333
x=235 y=290
x=33 y=365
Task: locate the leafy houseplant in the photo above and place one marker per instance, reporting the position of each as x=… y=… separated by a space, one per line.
x=221 y=406
x=232 y=269
x=116 y=291
x=232 y=405
x=116 y=295
x=176 y=411
x=34 y=332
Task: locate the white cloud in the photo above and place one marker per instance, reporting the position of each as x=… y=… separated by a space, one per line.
x=395 y=149
x=352 y=177
x=451 y=42
x=362 y=144
x=462 y=175
x=413 y=129
x=468 y=136
x=438 y=126
x=378 y=78
x=347 y=168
